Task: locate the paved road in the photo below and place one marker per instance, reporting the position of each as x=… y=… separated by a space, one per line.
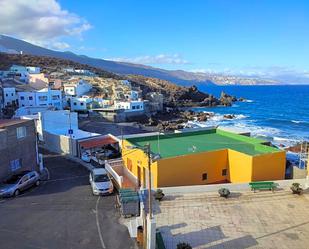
x=117 y=129
x=62 y=213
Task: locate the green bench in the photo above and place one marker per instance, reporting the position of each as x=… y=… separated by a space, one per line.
x=262 y=185
x=159 y=241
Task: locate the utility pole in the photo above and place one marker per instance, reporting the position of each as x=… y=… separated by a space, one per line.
x=149 y=181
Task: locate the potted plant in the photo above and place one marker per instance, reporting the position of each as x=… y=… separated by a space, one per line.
x=296 y=189
x=159 y=194
x=183 y=245
x=224 y=192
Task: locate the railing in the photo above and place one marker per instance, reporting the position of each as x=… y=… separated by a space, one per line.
x=118 y=170
x=109 y=166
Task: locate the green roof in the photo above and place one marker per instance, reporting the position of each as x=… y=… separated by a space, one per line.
x=177 y=144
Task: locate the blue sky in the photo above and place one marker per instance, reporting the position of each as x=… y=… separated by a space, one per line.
x=239 y=36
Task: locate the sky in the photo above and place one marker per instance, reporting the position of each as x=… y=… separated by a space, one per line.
x=256 y=37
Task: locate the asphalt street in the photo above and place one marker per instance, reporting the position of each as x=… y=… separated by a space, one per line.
x=62 y=213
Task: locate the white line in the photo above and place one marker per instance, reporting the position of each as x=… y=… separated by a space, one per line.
x=67 y=178
x=98 y=224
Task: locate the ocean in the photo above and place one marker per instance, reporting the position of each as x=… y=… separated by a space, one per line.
x=279 y=114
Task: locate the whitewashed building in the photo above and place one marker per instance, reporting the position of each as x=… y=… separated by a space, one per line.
x=80 y=103
x=44 y=97
x=77 y=89
x=19 y=72
x=33 y=70
x=9 y=96
x=130 y=106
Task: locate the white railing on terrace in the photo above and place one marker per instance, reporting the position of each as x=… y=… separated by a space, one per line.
x=120 y=173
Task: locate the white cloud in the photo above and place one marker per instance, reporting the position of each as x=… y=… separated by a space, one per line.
x=174 y=59
x=39 y=21
x=60 y=45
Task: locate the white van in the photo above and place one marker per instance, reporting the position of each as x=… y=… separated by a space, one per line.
x=100 y=182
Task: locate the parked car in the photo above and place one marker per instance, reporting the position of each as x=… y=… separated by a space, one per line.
x=100 y=182
x=19 y=182
x=86 y=156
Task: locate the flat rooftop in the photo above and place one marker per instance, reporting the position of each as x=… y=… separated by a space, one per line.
x=177 y=144
x=245 y=220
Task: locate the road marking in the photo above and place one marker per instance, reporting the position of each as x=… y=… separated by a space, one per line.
x=98 y=224
x=66 y=178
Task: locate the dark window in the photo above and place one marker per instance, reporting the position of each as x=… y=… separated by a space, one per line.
x=81 y=103
x=30 y=98
x=74 y=103
x=22 y=97
x=12 y=94
x=224 y=172
x=204 y=176
x=6 y=95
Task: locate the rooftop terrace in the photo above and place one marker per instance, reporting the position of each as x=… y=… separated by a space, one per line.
x=172 y=145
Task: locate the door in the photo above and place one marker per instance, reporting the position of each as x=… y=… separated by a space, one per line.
x=24 y=181
x=144 y=178
x=139 y=175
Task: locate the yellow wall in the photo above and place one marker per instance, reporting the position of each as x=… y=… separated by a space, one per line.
x=138 y=159
x=188 y=169
x=240 y=167
x=269 y=166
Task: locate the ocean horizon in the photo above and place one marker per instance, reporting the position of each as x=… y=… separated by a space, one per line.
x=277 y=113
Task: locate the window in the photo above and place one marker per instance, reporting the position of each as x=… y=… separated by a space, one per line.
x=224 y=172
x=22 y=97
x=74 y=103
x=55 y=97
x=6 y=95
x=137 y=107
x=43 y=98
x=12 y=94
x=204 y=177
x=133 y=107
x=21 y=132
x=30 y=98
x=15 y=164
x=81 y=103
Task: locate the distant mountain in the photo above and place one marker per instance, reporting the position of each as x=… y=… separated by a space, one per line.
x=12 y=45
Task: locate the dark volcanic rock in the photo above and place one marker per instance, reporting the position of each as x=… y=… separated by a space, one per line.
x=229 y=116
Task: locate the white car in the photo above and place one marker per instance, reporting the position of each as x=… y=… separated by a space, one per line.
x=100 y=182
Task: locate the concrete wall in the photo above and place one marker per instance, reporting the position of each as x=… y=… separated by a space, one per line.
x=12 y=148
x=60 y=144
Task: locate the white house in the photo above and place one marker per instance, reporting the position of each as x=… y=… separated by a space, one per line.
x=19 y=72
x=59 y=131
x=132 y=95
x=9 y=96
x=77 y=89
x=80 y=103
x=44 y=97
x=33 y=70
x=130 y=106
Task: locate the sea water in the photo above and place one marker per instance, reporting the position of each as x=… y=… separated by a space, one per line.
x=279 y=114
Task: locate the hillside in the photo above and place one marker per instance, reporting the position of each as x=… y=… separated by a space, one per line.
x=174 y=95
x=180 y=77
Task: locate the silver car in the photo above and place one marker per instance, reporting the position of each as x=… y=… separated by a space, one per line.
x=100 y=182
x=20 y=182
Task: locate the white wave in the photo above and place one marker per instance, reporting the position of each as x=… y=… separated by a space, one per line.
x=299 y=121
x=235 y=105
x=248 y=100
